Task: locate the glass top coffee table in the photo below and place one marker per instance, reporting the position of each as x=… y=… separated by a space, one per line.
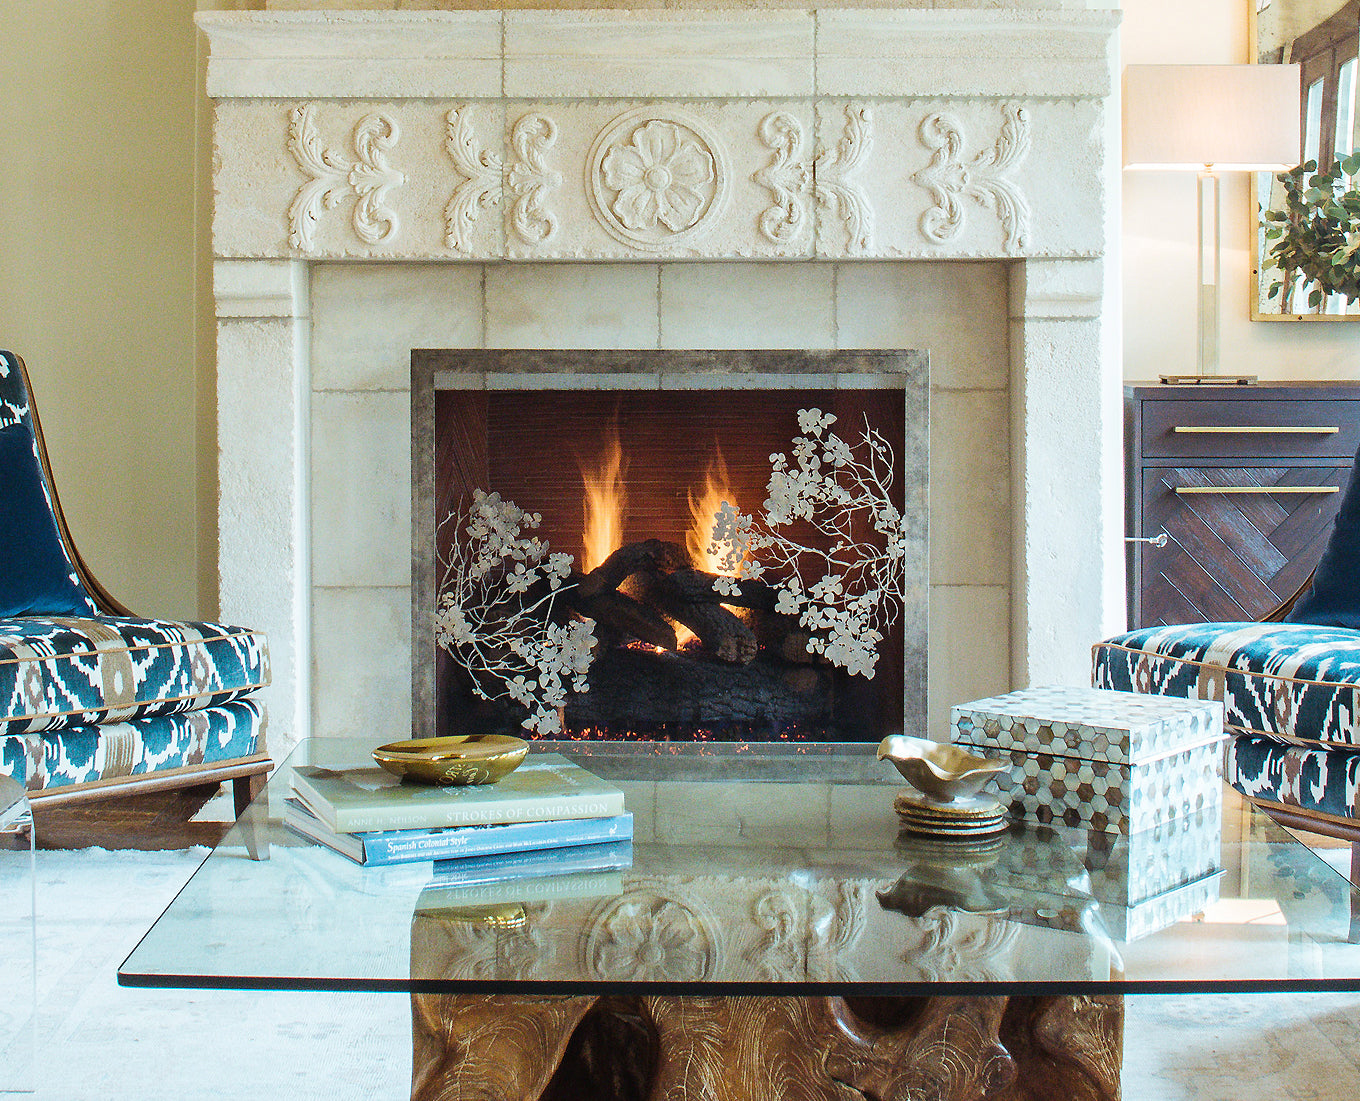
x=772 y=921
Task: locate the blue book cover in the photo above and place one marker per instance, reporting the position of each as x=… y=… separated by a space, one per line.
x=473 y=871
x=376 y=848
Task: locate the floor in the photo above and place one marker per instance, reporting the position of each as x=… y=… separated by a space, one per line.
x=1207 y=1048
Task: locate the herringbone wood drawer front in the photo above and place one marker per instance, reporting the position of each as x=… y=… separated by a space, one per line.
x=1237 y=550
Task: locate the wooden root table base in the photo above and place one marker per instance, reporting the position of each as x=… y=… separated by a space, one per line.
x=766 y=1048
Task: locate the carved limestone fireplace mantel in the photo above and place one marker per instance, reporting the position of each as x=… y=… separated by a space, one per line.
x=409 y=155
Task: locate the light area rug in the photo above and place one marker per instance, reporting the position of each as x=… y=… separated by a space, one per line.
x=102 y=1042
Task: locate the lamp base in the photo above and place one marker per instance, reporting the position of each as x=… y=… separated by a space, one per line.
x=1207 y=380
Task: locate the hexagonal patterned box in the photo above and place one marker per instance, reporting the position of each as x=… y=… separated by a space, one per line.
x=1118 y=762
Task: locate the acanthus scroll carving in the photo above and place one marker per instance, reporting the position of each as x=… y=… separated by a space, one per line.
x=530 y=179
x=481 y=187
x=369 y=177
x=786 y=177
x=983 y=179
x=831 y=174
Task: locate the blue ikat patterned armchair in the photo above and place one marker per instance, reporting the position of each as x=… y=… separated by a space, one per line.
x=96 y=701
x=1291 y=686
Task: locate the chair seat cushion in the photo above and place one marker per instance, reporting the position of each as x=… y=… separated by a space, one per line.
x=81 y=754
x=1311 y=778
x=58 y=672
x=1295 y=681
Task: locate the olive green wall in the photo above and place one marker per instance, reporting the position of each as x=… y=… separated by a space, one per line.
x=97 y=281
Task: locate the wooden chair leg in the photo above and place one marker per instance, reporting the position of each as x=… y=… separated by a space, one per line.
x=244 y=790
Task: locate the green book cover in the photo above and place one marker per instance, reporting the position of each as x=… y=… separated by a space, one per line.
x=546 y=787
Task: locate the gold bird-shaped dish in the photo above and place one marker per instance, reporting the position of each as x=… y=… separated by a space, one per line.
x=941 y=771
x=469 y=759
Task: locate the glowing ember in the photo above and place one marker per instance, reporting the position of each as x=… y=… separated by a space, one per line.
x=605 y=500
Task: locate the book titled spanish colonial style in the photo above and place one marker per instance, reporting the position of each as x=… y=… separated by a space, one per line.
x=375 y=848
x=545 y=788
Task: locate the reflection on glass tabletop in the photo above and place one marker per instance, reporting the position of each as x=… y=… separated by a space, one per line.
x=769 y=869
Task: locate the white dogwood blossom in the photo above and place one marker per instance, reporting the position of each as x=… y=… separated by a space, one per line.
x=494 y=614
x=846 y=594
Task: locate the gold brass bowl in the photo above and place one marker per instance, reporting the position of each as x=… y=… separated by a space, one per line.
x=470 y=759
x=937 y=769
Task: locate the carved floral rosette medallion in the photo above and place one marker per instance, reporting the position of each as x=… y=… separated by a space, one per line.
x=659 y=932
x=656 y=178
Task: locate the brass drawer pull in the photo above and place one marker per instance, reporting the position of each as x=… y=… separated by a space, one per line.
x=1257 y=429
x=1268 y=490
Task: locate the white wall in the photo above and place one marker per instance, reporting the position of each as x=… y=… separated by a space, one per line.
x=1159 y=231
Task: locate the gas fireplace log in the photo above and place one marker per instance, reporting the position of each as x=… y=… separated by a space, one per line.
x=625 y=616
x=648 y=554
x=720 y=631
x=784 y=635
x=697 y=586
x=632 y=689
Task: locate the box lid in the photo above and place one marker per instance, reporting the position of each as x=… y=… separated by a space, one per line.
x=1088 y=723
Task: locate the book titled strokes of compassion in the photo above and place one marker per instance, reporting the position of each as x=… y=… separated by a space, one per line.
x=545 y=788
x=374 y=848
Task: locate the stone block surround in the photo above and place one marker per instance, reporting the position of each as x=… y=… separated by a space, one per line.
x=908 y=178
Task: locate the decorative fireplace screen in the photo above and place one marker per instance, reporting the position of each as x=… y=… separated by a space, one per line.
x=670 y=545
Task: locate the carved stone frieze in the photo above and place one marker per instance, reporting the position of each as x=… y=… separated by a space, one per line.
x=657 y=178
x=369 y=177
x=839 y=179
x=481 y=186
x=950 y=179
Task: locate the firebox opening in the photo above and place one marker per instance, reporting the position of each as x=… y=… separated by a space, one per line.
x=628 y=482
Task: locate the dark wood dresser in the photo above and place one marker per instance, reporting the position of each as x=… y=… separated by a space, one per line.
x=1244 y=480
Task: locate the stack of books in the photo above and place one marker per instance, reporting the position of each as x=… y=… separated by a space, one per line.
x=548 y=818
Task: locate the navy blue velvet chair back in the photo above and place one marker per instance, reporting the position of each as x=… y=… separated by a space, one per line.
x=42 y=561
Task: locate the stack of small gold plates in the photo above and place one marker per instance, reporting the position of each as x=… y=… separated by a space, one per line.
x=980 y=814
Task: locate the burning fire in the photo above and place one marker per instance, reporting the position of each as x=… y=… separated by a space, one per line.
x=606 y=498
x=704 y=511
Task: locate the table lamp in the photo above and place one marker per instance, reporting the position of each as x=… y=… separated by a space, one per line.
x=1211 y=119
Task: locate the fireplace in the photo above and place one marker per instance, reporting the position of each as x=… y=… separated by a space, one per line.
x=874 y=178
x=627 y=476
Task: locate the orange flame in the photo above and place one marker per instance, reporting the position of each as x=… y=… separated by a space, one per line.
x=704 y=512
x=605 y=501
